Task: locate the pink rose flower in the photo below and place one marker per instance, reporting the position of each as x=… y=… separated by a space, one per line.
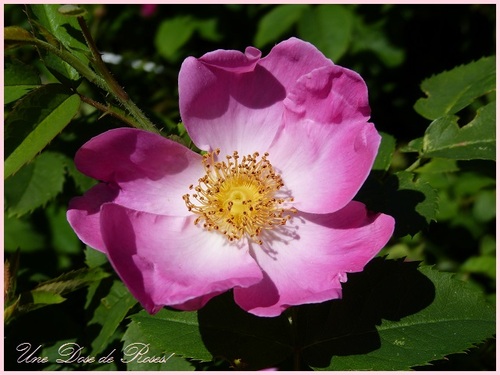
x=267 y=211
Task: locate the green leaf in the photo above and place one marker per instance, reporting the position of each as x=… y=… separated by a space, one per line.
x=394 y=316
x=72 y=281
x=82 y=182
x=14 y=35
x=59 y=28
x=449 y=92
x=484 y=264
x=414 y=145
x=277 y=22
x=62 y=71
x=221 y=330
x=65 y=29
x=171 y=331
x=412 y=201
x=19 y=79
x=42 y=297
x=172 y=35
x=35 y=121
x=208 y=29
x=72 y=10
x=20 y=233
x=35 y=184
x=438 y=166
x=373 y=38
x=94 y=258
x=32 y=300
x=385 y=153
x=110 y=313
x=484 y=208
x=476 y=140
x=329 y=28
x=63 y=238
x=134 y=342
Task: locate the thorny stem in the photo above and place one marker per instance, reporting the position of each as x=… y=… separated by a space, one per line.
x=103 y=80
x=112 y=86
x=107 y=110
x=83 y=69
x=116 y=89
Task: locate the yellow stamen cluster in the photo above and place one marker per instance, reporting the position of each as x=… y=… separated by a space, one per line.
x=239 y=198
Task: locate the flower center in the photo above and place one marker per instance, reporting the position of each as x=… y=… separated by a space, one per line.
x=239 y=198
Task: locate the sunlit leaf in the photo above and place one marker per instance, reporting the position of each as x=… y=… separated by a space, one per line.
x=72 y=281
x=277 y=22
x=329 y=28
x=476 y=140
x=43 y=297
x=172 y=34
x=65 y=29
x=32 y=300
x=35 y=121
x=449 y=92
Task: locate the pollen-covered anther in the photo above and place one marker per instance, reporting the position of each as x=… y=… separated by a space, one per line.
x=238 y=197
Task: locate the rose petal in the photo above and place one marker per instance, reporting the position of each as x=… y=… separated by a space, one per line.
x=227 y=110
x=308 y=263
x=167 y=260
x=291 y=59
x=329 y=95
x=234 y=101
x=323 y=167
x=152 y=172
x=142 y=170
x=84 y=214
x=233 y=61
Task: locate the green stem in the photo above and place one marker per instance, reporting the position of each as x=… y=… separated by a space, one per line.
x=414 y=166
x=83 y=69
x=141 y=121
x=116 y=89
x=108 y=110
x=112 y=86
